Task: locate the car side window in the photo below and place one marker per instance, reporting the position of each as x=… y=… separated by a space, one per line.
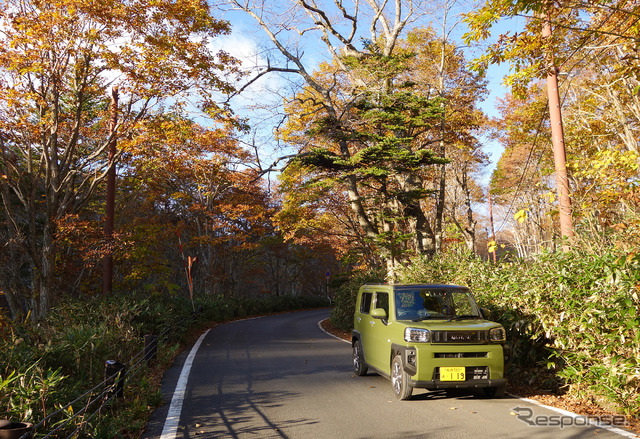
x=382 y=301
x=365 y=303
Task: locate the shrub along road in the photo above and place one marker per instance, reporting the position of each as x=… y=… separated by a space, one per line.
x=280 y=376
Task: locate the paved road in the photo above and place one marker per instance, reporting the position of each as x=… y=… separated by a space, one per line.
x=282 y=377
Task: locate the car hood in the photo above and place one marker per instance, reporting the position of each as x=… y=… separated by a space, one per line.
x=460 y=325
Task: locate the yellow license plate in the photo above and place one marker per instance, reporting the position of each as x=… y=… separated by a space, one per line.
x=452 y=374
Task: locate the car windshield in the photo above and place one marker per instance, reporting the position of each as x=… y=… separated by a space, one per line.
x=435 y=303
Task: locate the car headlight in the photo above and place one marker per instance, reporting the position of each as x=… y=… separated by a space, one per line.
x=497 y=335
x=416 y=335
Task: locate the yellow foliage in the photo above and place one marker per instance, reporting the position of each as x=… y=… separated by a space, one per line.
x=611 y=168
x=551 y=197
x=521 y=215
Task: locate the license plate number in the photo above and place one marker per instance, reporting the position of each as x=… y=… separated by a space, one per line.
x=452 y=374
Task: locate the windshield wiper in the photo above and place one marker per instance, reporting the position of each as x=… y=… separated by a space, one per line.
x=463 y=317
x=419 y=319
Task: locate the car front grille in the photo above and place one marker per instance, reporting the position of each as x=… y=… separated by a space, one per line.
x=460 y=336
x=471 y=373
x=460 y=355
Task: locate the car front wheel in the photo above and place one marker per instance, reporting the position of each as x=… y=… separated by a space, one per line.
x=400 y=379
x=358 y=365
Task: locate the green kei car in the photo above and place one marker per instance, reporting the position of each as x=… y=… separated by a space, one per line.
x=427 y=336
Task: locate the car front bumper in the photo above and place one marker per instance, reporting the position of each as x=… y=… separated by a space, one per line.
x=470 y=384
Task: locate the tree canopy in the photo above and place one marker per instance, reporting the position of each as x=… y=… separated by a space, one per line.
x=57 y=63
x=383 y=131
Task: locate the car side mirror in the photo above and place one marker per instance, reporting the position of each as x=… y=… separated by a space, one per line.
x=486 y=313
x=379 y=313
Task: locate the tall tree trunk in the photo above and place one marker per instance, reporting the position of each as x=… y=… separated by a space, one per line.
x=9 y=282
x=107 y=262
x=424 y=237
x=440 y=203
x=46 y=275
x=470 y=229
x=9 y=279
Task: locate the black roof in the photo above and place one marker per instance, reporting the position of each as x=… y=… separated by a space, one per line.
x=433 y=286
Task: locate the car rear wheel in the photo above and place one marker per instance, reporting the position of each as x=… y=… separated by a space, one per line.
x=400 y=379
x=358 y=365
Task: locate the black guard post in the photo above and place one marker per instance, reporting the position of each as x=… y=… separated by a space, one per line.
x=114 y=373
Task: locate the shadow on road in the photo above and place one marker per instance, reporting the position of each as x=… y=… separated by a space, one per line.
x=236 y=414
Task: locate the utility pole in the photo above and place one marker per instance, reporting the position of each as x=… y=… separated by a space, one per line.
x=557 y=136
x=107 y=260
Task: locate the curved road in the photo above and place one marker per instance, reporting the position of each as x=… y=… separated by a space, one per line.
x=282 y=377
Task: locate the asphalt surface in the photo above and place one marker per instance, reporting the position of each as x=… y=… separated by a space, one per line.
x=282 y=377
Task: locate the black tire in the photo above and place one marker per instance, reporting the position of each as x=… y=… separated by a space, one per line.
x=358 y=364
x=495 y=392
x=400 y=379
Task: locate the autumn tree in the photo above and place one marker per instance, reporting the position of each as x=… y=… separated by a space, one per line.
x=190 y=184
x=602 y=113
x=521 y=182
x=315 y=214
x=416 y=224
x=340 y=37
x=440 y=68
x=376 y=147
x=58 y=61
x=594 y=46
x=604 y=167
x=339 y=95
x=580 y=28
x=400 y=197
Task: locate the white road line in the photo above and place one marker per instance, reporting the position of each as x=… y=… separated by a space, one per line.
x=604 y=426
x=170 y=429
x=330 y=334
